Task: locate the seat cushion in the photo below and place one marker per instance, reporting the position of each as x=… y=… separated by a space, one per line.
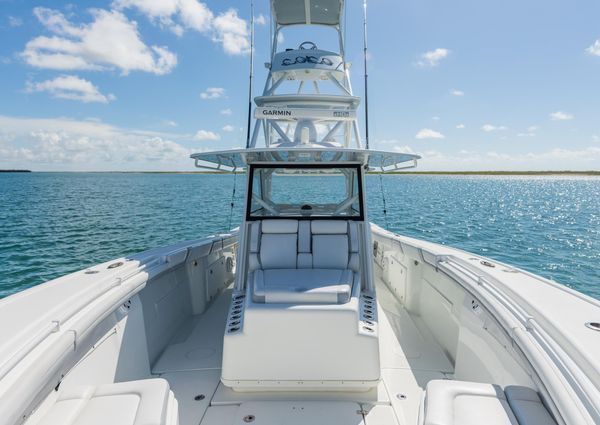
x=330 y=252
x=303 y=285
x=527 y=406
x=144 y=402
x=278 y=251
x=466 y=403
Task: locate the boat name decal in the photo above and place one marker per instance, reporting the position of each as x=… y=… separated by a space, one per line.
x=307 y=59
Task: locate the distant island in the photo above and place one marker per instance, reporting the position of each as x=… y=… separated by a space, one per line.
x=502 y=173
x=440 y=173
x=418 y=173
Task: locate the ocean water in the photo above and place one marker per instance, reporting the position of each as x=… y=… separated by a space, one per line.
x=55 y=223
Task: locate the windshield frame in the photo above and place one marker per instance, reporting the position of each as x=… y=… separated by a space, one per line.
x=359 y=178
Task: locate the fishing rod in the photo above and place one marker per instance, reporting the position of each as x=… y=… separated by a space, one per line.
x=366 y=73
x=251 y=73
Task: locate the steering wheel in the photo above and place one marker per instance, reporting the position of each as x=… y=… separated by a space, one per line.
x=311 y=46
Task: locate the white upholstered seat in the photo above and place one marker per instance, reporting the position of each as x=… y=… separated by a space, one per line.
x=527 y=406
x=144 y=402
x=303 y=285
x=293 y=261
x=469 y=403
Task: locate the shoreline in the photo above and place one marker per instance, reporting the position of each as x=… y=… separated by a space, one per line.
x=419 y=173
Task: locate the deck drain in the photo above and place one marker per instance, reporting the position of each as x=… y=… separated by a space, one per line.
x=200 y=397
x=595 y=326
x=401 y=396
x=249 y=418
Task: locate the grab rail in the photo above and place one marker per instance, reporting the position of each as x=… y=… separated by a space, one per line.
x=564 y=382
x=570 y=381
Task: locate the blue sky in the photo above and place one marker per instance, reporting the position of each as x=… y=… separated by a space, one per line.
x=140 y=84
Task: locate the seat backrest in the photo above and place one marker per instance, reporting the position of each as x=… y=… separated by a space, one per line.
x=304 y=244
x=330 y=244
x=278 y=244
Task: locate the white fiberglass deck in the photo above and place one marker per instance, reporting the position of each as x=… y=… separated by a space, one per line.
x=409 y=359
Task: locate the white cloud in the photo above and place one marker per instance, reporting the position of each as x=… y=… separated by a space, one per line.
x=260 y=20
x=226 y=28
x=70 y=87
x=170 y=123
x=109 y=42
x=457 y=93
x=530 y=132
x=203 y=135
x=212 y=93
x=228 y=128
x=587 y=158
x=489 y=128
x=432 y=58
x=436 y=118
x=460 y=126
x=226 y=111
x=427 y=133
x=232 y=32
x=14 y=22
x=594 y=49
x=595 y=138
x=561 y=116
x=66 y=144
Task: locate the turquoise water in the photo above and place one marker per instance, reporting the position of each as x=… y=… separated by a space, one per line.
x=55 y=223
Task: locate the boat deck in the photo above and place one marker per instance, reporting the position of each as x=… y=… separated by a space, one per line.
x=409 y=359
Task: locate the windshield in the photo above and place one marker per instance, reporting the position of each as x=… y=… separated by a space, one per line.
x=304 y=192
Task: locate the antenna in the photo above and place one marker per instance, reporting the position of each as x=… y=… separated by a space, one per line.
x=366 y=74
x=251 y=72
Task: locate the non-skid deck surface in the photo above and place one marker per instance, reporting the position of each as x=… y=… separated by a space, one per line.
x=404 y=341
x=409 y=359
x=199 y=345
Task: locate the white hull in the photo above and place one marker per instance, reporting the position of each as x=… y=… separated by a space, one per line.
x=442 y=314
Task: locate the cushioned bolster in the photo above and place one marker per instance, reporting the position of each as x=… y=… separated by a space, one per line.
x=330 y=251
x=527 y=406
x=304 y=285
x=329 y=227
x=304 y=236
x=354 y=262
x=253 y=262
x=280 y=226
x=353 y=236
x=254 y=236
x=450 y=402
x=305 y=261
x=278 y=251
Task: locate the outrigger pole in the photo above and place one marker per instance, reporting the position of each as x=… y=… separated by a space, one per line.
x=251 y=72
x=366 y=74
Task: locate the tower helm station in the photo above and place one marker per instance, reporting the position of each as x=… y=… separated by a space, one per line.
x=320 y=108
